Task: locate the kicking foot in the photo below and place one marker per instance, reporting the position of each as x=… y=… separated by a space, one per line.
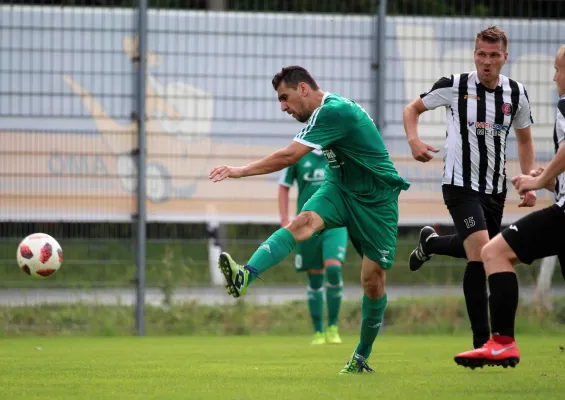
x=237 y=276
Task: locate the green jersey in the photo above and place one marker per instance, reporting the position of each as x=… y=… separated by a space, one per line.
x=308 y=174
x=358 y=161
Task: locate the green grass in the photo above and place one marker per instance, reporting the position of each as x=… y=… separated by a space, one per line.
x=267 y=367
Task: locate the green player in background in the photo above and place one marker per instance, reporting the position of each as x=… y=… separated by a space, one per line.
x=360 y=193
x=324 y=252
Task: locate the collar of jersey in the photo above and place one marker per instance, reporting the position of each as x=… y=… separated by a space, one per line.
x=498 y=87
x=326 y=94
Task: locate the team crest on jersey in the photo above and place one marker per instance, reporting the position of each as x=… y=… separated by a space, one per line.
x=507 y=108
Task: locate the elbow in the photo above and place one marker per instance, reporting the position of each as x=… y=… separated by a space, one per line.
x=410 y=113
x=407 y=112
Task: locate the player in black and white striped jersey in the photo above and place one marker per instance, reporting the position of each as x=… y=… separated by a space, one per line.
x=481 y=107
x=535 y=236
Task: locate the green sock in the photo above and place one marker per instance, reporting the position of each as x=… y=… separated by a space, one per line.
x=272 y=251
x=316 y=300
x=334 y=289
x=372 y=319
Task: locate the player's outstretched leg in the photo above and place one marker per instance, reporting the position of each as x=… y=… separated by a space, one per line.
x=431 y=243
x=270 y=253
x=420 y=254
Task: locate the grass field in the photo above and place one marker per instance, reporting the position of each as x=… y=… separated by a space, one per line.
x=269 y=367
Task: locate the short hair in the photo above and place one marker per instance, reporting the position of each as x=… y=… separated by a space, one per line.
x=561 y=52
x=292 y=76
x=492 y=34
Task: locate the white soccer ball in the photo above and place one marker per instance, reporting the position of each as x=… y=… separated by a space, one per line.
x=39 y=255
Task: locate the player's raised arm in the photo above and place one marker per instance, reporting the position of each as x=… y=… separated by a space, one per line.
x=275 y=162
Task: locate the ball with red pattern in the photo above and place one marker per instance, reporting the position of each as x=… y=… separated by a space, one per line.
x=39 y=255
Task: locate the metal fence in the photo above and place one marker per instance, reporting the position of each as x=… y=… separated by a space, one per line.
x=76 y=80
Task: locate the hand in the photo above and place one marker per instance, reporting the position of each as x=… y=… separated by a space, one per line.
x=284 y=222
x=528 y=199
x=536 y=172
x=225 y=171
x=420 y=150
x=525 y=183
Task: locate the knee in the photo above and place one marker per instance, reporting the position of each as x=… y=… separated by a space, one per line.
x=302 y=226
x=374 y=284
x=489 y=252
x=315 y=280
x=333 y=275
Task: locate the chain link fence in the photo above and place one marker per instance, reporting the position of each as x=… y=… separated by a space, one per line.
x=68 y=128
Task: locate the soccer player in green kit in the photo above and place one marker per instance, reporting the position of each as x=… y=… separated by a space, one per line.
x=319 y=254
x=360 y=193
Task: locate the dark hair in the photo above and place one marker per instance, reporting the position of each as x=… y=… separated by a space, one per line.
x=492 y=34
x=292 y=76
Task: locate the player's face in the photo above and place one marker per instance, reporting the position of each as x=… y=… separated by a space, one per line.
x=293 y=101
x=489 y=60
x=559 y=77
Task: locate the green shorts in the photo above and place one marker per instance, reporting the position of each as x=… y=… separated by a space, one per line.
x=373 y=229
x=311 y=254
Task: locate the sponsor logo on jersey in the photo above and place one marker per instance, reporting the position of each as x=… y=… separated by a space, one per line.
x=486 y=128
x=314 y=176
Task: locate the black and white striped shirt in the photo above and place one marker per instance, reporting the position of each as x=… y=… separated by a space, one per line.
x=478 y=121
x=559 y=140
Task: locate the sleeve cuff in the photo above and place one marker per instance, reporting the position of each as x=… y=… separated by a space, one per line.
x=309 y=144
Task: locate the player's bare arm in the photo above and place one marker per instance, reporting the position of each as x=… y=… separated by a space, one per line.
x=526 y=156
x=277 y=161
x=283 y=204
x=420 y=149
x=546 y=179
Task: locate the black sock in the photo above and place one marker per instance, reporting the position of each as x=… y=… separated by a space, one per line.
x=449 y=245
x=503 y=302
x=476 y=299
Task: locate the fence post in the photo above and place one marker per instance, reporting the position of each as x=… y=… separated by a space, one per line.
x=542 y=294
x=141 y=162
x=214 y=251
x=380 y=65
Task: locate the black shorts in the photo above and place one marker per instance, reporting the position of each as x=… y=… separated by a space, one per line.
x=538 y=235
x=472 y=211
